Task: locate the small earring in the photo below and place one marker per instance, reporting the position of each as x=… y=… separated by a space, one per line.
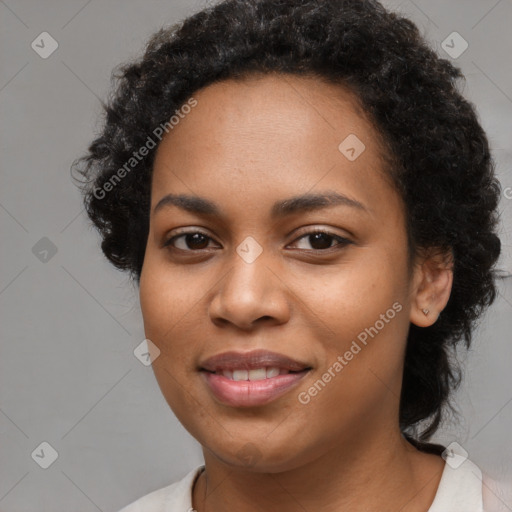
x=425 y=311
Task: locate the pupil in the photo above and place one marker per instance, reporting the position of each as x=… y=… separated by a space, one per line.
x=196 y=241
x=317 y=237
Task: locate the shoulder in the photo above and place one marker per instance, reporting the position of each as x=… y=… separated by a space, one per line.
x=177 y=496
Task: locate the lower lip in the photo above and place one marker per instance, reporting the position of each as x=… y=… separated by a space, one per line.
x=246 y=393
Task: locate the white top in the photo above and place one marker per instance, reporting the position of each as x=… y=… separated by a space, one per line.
x=460 y=490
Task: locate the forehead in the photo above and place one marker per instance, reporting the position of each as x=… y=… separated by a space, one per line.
x=274 y=103
x=270 y=129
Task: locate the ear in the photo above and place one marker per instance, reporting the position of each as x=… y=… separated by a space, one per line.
x=432 y=285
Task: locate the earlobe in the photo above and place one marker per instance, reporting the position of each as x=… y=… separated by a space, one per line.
x=433 y=284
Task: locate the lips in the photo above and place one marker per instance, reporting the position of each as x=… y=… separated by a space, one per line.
x=255 y=359
x=252 y=378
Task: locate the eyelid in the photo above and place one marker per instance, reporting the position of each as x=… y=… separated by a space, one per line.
x=312 y=229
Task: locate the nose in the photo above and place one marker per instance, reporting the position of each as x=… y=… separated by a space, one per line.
x=250 y=294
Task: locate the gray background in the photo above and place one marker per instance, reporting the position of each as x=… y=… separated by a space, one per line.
x=69 y=325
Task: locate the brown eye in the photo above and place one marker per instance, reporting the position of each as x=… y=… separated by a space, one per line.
x=322 y=240
x=194 y=241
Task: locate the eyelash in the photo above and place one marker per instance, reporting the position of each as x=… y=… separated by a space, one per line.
x=342 y=242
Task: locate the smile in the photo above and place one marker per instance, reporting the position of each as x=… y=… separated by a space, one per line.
x=238 y=389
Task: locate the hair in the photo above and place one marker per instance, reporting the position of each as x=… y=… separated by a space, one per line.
x=438 y=154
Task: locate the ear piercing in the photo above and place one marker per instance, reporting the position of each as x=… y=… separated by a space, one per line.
x=425 y=311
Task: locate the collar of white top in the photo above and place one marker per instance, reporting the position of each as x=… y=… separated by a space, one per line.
x=460 y=489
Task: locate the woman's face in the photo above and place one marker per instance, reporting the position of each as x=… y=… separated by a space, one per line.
x=255 y=276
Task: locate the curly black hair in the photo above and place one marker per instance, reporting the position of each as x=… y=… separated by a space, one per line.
x=437 y=153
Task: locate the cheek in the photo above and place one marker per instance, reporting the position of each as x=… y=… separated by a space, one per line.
x=167 y=296
x=169 y=309
x=362 y=307
x=360 y=362
x=349 y=297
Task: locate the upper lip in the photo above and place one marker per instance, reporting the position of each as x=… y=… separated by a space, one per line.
x=250 y=360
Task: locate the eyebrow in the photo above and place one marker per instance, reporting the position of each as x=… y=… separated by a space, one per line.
x=304 y=202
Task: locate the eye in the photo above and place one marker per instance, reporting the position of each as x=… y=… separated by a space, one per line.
x=320 y=240
x=191 y=241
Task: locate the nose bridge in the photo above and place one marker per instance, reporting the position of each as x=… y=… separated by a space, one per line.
x=249 y=291
x=249 y=279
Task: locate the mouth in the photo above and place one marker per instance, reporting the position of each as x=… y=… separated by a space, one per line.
x=251 y=393
x=253 y=378
x=254 y=374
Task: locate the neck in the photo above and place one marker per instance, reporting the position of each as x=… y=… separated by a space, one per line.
x=385 y=473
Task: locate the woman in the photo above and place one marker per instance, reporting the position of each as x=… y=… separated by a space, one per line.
x=308 y=205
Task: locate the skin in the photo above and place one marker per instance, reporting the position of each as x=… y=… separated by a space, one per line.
x=247 y=144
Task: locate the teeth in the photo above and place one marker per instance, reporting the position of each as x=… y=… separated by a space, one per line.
x=240 y=375
x=228 y=374
x=272 y=372
x=257 y=374
x=254 y=374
